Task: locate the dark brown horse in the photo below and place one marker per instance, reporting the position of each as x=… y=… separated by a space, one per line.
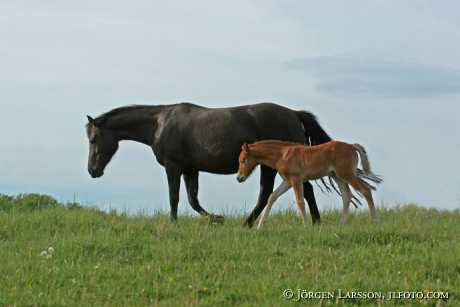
x=188 y=138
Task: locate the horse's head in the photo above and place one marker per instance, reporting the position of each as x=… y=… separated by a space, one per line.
x=103 y=144
x=247 y=163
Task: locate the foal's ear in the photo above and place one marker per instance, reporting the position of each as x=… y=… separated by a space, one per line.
x=245 y=147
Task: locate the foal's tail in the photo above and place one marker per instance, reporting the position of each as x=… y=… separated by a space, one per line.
x=364 y=159
x=366 y=173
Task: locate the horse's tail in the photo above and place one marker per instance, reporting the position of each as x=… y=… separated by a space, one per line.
x=371 y=176
x=314 y=133
x=364 y=159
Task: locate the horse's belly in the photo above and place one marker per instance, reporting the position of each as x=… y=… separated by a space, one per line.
x=217 y=167
x=216 y=162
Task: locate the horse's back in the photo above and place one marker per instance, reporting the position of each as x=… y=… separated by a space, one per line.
x=210 y=139
x=263 y=120
x=277 y=122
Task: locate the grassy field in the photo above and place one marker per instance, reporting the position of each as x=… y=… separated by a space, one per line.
x=53 y=254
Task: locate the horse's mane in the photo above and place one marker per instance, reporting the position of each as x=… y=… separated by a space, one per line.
x=102 y=119
x=125 y=115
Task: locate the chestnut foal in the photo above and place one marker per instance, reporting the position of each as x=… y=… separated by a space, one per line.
x=297 y=163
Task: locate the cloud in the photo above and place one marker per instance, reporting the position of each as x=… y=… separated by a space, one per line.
x=355 y=76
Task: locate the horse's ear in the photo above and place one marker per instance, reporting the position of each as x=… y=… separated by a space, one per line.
x=90 y=120
x=245 y=147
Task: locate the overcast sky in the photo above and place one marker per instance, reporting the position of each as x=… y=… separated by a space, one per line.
x=385 y=74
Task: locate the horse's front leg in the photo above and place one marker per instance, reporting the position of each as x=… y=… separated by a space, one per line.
x=267 y=180
x=173 y=173
x=191 y=184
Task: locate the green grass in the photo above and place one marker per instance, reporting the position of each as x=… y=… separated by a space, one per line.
x=110 y=259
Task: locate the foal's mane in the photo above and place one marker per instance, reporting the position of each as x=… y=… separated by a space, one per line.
x=268 y=145
x=273 y=142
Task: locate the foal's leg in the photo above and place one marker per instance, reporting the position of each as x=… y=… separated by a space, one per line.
x=298 y=190
x=360 y=186
x=191 y=184
x=346 y=198
x=283 y=187
x=267 y=180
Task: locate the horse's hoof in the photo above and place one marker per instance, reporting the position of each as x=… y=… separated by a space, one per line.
x=316 y=222
x=216 y=219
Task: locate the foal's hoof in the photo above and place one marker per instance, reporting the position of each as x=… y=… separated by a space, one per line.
x=216 y=219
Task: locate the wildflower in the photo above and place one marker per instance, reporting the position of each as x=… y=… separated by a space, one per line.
x=48 y=253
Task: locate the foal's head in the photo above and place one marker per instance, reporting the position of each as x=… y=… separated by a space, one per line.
x=247 y=163
x=103 y=144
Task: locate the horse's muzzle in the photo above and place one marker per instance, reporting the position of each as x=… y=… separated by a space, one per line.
x=95 y=173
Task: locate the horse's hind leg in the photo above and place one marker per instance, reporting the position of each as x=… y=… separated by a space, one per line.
x=298 y=190
x=346 y=198
x=283 y=187
x=311 y=201
x=362 y=187
x=191 y=184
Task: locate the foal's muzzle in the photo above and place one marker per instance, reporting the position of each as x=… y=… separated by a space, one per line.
x=240 y=178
